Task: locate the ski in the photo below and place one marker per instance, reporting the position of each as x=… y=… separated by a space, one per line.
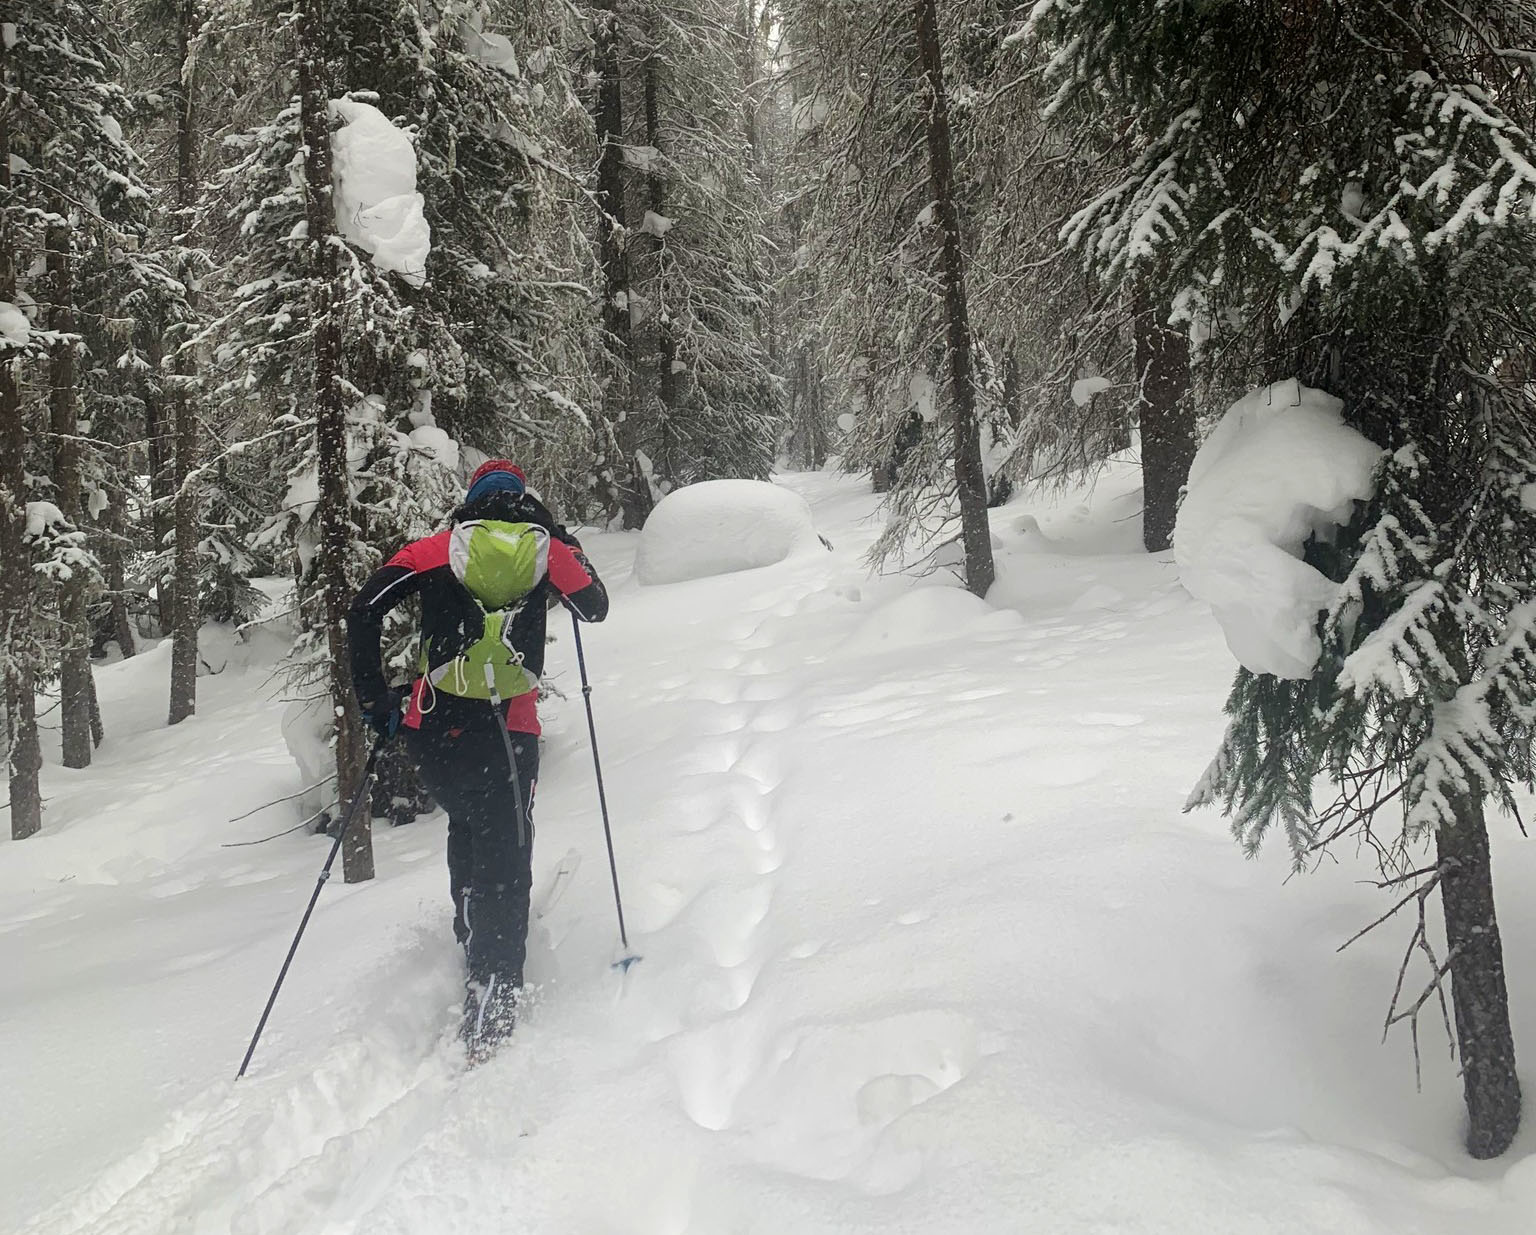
x=559 y=881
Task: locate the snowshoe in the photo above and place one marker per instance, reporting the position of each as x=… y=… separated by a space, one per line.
x=490 y=1014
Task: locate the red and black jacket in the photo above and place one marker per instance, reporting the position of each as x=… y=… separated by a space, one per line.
x=451 y=620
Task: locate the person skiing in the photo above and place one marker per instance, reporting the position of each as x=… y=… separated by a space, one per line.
x=470 y=718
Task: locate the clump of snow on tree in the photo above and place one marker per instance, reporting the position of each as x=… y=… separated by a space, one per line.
x=720 y=526
x=643 y=158
x=923 y=390
x=43 y=517
x=377 y=205
x=1085 y=388
x=436 y=443
x=15 y=330
x=492 y=49
x=1280 y=467
x=657 y=225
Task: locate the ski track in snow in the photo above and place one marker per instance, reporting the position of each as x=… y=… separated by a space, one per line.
x=926 y=947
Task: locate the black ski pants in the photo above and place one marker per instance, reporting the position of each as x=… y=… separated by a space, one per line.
x=490 y=868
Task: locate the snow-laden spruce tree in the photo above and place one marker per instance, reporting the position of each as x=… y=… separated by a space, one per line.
x=701 y=401
x=75 y=190
x=445 y=304
x=890 y=227
x=1346 y=193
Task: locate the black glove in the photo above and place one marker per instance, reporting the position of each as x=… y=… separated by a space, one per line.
x=383 y=714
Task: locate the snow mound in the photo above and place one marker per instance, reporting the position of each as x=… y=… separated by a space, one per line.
x=308 y=729
x=377 y=205
x=927 y=615
x=1280 y=467
x=720 y=526
x=15 y=329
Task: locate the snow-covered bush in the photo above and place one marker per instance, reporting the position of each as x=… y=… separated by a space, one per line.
x=720 y=526
x=1280 y=468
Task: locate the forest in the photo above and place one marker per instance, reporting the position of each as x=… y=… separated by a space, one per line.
x=276 y=278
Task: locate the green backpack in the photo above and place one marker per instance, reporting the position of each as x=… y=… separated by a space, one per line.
x=499 y=564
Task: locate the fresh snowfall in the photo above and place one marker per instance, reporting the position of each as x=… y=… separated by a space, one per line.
x=927 y=941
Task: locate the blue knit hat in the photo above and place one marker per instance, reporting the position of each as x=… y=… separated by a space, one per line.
x=496 y=475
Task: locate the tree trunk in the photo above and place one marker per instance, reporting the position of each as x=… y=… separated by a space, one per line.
x=336 y=532
x=634 y=492
x=185 y=615
x=1478 y=992
x=117 y=583
x=1167 y=417
x=24 y=754
x=970 y=479
x=74 y=624
x=667 y=384
x=158 y=443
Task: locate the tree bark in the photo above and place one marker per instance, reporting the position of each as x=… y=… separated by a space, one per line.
x=336 y=532
x=24 y=755
x=1479 y=995
x=634 y=491
x=75 y=685
x=667 y=385
x=112 y=563
x=970 y=479
x=159 y=442
x=185 y=615
x=1167 y=417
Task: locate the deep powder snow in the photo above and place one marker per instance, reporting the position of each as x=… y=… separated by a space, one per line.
x=928 y=946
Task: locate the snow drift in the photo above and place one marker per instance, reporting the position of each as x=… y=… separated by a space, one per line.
x=377 y=205
x=720 y=526
x=1280 y=467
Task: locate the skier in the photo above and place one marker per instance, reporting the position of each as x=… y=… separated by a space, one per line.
x=471 y=719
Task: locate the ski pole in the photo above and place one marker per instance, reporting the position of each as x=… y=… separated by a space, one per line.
x=500 y=721
x=325 y=873
x=602 y=798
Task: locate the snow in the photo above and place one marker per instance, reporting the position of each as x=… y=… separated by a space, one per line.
x=847 y=421
x=642 y=158
x=808 y=115
x=41 y=516
x=720 y=526
x=377 y=205
x=924 y=393
x=438 y=444
x=657 y=225
x=1280 y=467
x=308 y=728
x=929 y=948
x=492 y=49
x=15 y=329
x=1085 y=388
x=8 y=36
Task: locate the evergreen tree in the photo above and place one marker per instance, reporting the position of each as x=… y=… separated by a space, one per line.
x=1387 y=260
x=684 y=257
x=890 y=227
x=79 y=229
x=19 y=656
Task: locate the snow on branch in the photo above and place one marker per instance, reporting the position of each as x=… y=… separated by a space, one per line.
x=377 y=205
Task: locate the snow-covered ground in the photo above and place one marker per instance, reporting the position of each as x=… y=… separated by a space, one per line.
x=927 y=945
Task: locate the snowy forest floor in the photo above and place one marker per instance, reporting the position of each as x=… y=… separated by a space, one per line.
x=928 y=945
